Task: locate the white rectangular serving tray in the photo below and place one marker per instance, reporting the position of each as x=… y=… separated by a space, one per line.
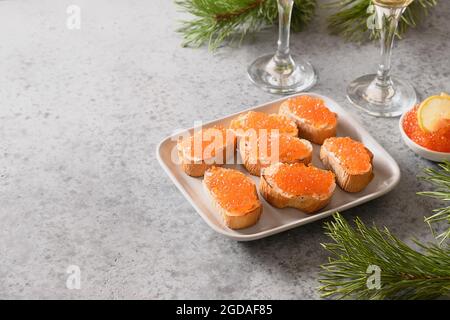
x=274 y=220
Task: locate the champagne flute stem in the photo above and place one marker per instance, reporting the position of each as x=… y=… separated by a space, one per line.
x=387 y=18
x=284 y=16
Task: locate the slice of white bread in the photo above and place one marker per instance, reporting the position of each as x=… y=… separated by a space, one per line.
x=205 y=148
x=350 y=160
x=306 y=188
x=268 y=149
x=314 y=120
x=260 y=120
x=234 y=196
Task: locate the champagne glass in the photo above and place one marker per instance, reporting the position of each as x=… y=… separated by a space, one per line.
x=282 y=73
x=380 y=94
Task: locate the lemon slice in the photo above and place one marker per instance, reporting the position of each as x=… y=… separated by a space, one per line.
x=433 y=111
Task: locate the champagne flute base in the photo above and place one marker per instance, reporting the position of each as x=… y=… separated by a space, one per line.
x=387 y=102
x=291 y=75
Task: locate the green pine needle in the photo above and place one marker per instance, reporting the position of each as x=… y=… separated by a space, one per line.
x=441 y=179
x=217 y=22
x=405 y=272
x=350 y=21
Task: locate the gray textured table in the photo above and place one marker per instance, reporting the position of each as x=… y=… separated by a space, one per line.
x=81 y=113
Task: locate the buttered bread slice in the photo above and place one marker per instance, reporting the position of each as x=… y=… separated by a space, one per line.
x=314 y=120
x=267 y=149
x=234 y=196
x=350 y=160
x=306 y=188
x=205 y=148
x=244 y=123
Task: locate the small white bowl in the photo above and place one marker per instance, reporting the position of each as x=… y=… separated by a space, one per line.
x=421 y=151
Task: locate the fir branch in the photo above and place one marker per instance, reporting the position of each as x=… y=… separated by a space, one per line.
x=219 y=21
x=233 y=14
x=350 y=21
x=302 y=13
x=405 y=272
x=441 y=179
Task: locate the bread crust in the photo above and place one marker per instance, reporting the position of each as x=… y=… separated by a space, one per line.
x=195 y=168
x=347 y=181
x=255 y=168
x=306 y=130
x=234 y=221
x=279 y=199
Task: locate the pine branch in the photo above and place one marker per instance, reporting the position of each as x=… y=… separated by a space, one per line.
x=218 y=21
x=405 y=272
x=350 y=21
x=441 y=179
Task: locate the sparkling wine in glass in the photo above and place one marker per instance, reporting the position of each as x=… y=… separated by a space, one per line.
x=380 y=94
x=282 y=73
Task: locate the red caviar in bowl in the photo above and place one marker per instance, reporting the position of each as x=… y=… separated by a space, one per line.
x=435 y=141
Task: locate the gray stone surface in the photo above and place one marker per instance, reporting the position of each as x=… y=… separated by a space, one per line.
x=82 y=111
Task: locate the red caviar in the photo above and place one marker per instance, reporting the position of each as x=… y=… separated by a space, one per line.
x=260 y=120
x=436 y=141
x=289 y=148
x=313 y=110
x=205 y=143
x=233 y=190
x=351 y=154
x=298 y=179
